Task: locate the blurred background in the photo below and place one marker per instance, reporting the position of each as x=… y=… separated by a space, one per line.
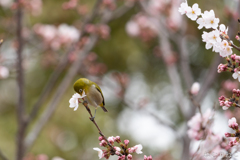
x=138 y=61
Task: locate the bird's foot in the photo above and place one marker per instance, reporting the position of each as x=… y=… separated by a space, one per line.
x=92 y=118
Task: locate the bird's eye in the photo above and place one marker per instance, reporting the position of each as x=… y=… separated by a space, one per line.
x=80 y=90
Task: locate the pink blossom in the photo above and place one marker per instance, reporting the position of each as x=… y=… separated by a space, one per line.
x=103 y=143
x=136 y=148
x=232 y=123
x=117 y=139
x=111 y=139
x=100 y=138
x=227 y=134
x=147 y=158
x=196 y=123
x=126 y=142
x=129 y=157
x=117 y=152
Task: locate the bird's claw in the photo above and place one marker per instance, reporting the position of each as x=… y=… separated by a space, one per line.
x=92 y=118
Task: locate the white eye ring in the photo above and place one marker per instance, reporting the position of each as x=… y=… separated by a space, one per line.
x=80 y=90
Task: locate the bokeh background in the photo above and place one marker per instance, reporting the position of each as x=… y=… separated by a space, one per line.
x=129 y=68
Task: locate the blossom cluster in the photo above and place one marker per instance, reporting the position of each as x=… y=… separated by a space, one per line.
x=200 y=129
x=146 y=26
x=32 y=6
x=55 y=37
x=232 y=123
x=122 y=152
x=142 y=26
x=198 y=123
x=217 y=39
x=75 y=100
x=232 y=101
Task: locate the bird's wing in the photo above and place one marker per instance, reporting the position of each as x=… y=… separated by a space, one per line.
x=99 y=90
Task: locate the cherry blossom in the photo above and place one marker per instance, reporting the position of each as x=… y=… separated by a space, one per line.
x=100 y=152
x=193 y=12
x=236 y=75
x=232 y=123
x=132 y=28
x=74 y=100
x=184 y=8
x=208 y=20
x=197 y=124
x=223 y=29
x=195 y=88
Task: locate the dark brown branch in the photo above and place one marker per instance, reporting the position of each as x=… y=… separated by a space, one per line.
x=20 y=83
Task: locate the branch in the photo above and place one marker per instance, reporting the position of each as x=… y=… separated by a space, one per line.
x=20 y=83
x=31 y=137
x=59 y=93
x=99 y=130
x=62 y=64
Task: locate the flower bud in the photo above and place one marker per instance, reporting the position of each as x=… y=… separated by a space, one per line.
x=195 y=88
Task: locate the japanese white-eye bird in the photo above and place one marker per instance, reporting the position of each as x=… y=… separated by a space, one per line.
x=93 y=93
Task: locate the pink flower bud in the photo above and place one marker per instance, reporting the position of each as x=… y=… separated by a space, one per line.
x=233 y=57
x=103 y=143
x=232 y=123
x=130 y=150
x=145 y=157
x=126 y=141
x=195 y=88
x=129 y=157
x=117 y=139
x=227 y=134
x=100 y=138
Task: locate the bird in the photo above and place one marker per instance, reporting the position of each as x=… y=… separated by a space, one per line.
x=94 y=95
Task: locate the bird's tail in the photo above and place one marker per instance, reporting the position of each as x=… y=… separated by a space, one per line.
x=104 y=109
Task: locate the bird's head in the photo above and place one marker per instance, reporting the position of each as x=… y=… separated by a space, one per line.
x=81 y=85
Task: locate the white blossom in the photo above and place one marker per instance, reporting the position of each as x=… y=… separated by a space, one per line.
x=195 y=88
x=68 y=33
x=223 y=29
x=100 y=152
x=4 y=72
x=184 y=8
x=74 y=100
x=208 y=20
x=194 y=12
x=132 y=28
x=138 y=149
x=236 y=75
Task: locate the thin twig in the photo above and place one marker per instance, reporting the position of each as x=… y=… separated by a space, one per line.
x=99 y=130
x=20 y=83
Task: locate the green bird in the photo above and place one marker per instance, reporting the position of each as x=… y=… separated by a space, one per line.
x=93 y=93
